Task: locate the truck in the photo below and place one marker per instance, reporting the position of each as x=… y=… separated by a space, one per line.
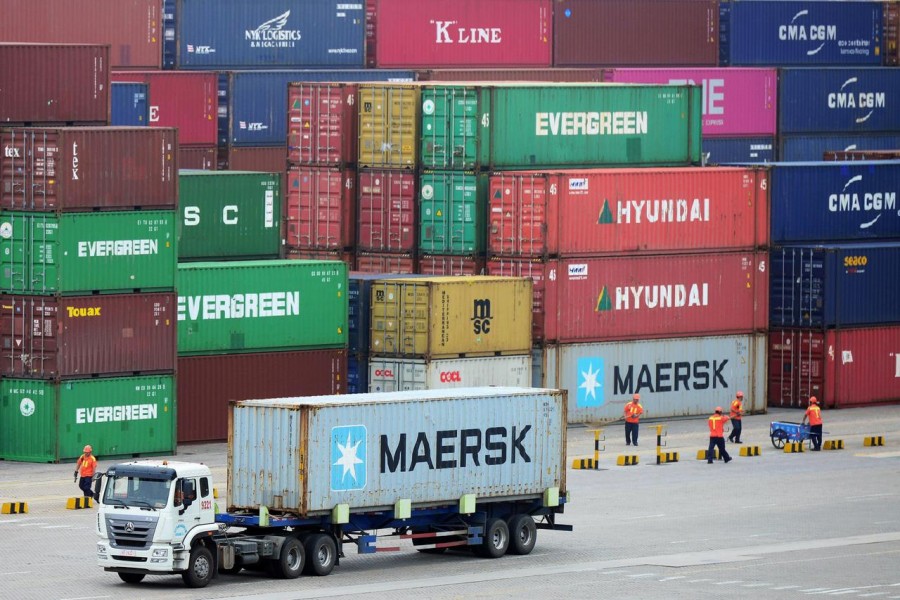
x=478 y=469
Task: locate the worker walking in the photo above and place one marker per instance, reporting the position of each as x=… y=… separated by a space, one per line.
x=717 y=436
x=814 y=416
x=737 y=411
x=633 y=412
x=84 y=471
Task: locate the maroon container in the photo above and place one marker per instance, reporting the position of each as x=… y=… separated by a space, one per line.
x=132 y=28
x=269 y=159
x=621 y=33
x=627 y=298
x=527 y=267
x=320 y=212
x=83 y=336
x=381 y=262
x=186 y=100
x=346 y=256
x=81 y=168
x=558 y=75
x=206 y=384
x=387 y=211
x=53 y=84
x=434 y=264
x=204 y=158
x=322 y=123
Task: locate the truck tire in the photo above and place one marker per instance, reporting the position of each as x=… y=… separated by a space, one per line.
x=200 y=568
x=292 y=560
x=495 y=539
x=321 y=554
x=131 y=577
x=522 y=534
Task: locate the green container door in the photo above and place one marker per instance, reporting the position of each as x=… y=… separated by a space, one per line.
x=255 y=306
x=229 y=214
x=453 y=135
x=45 y=421
x=83 y=253
x=452 y=212
x=388 y=125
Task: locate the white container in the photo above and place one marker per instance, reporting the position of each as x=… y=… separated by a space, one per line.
x=398 y=374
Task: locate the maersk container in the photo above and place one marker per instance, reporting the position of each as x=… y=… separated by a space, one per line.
x=386 y=262
x=206 y=384
x=388 y=126
x=446 y=264
x=862 y=99
x=833 y=201
x=387 y=211
x=229 y=215
x=722 y=151
x=848 y=285
x=85 y=336
x=263 y=305
x=130 y=106
x=605 y=211
x=360 y=308
x=52 y=421
x=429 y=447
x=87 y=253
x=680 y=377
x=452 y=212
x=401 y=374
x=814 y=147
x=798 y=33
x=627 y=298
x=440 y=317
x=88 y=168
x=321 y=208
x=43 y=84
x=235 y=34
x=535 y=269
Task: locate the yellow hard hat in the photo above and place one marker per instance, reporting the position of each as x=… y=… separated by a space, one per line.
x=88 y=448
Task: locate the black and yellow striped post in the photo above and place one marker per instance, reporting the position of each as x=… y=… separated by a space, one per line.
x=14 y=508
x=627 y=460
x=591 y=463
x=701 y=454
x=873 y=440
x=663 y=457
x=791 y=447
x=76 y=503
x=833 y=445
x=750 y=451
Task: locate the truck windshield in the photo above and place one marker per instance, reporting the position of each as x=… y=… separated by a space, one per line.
x=134 y=491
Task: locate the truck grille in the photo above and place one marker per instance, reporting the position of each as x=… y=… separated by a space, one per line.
x=136 y=532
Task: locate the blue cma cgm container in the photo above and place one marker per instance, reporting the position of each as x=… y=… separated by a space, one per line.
x=834 y=285
x=739 y=150
x=235 y=34
x=793 y=33
x=129 y=104
x=834 y=201
x=838 y=100
x=812 y=147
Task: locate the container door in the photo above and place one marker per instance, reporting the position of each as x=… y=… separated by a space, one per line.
x=452 y=216
x=388 y=126
x=450 y=128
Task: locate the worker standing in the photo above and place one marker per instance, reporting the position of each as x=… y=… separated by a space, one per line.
x=633 y=412
x=717 y=436
x=84 y=471
x=737 y=411
x=814 y=416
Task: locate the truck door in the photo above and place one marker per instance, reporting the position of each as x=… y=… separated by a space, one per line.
x=207 y=503
x=188 y=507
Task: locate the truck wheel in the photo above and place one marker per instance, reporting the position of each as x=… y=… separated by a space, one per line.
x=292 y=560
x=321 y=554
x=200 y=568
x=131 y=577
x=522 y=534
x=495 y=539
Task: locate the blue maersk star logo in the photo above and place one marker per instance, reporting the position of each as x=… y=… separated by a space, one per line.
x=348 y=458
x=590 y=382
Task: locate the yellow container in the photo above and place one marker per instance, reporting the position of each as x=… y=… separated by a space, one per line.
x=435 y=317
x=388 y=125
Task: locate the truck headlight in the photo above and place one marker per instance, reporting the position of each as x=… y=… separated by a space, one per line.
x=161 y=553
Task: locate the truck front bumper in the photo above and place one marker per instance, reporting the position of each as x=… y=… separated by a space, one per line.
x=158 y=558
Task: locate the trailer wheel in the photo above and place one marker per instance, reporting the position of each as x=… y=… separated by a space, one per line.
x=292 y=560
x=522 y=534
x=495 y=539
x=131 y=577
x=321 y=554
x=200 y=568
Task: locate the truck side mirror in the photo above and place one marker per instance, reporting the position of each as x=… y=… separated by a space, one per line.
x=98 y=478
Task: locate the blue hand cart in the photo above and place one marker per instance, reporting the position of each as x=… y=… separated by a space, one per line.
x=786 y=431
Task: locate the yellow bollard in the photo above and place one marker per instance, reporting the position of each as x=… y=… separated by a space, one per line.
x=750 y=451
x=701 y=454
x=76 y=503
x=627 y=460
x=873 y=440
x=791 y=447
x=14 y=508
x=583 y=463
x=833 y=445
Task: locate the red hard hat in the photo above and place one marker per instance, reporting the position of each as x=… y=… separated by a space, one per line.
x=813 y=400
x=718 y=409
x=636 y=397
x=740 y=394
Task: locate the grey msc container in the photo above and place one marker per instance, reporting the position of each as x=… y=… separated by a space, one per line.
x=308 y=455
x=677 y=377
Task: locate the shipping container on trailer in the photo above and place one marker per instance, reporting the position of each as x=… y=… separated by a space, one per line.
x=388 y=210
x=656 y=296
x=261 y=305
x=603 y=211
x=440 y=317
x=54 y=84
x=386 y=262
x=348 y=257
x=130 y=106
x=321 y=208
x=87 y=253
x=835 y=285
x=205 y=158
x=51 y=421
x=465 y=33
x=206 y=385
x=227 y=215
x=722 y=151
x=388 y=125
x=856 y=155
x=812 y=147
x=511 y=74
x=537 y=270
x=445 y=264
x=676 y=377
x=452 y=212
x=401 y=374
x=832 y=201
x=48 y=337
x=359 y=309
x=88 y=168
x=635 y=32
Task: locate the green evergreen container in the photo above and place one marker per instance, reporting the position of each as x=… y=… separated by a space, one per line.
x=452 y=212
x=453 y=136
x=85 y=253
x=265 y=305
x=52 y=421
x=229 y=214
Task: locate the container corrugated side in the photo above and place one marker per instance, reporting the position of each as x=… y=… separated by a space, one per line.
x=388 y=126
x=205 y=158
x=385 y=262
x=511 y=442
x=129 y=104
x=452 y=208
x=320 y=212
x=347 y=257
x=453 y=131
x=813 y=147
x=357 y=373
x=359 y=300
x=270 y=159
x=680 y=377
x=322 y=123
x=549 y=74
x=722 y=151
x=537 y=270
x=388 y=210
x=400 y=374
x=447 y=264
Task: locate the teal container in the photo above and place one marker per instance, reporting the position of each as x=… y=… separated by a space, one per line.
x=452 y=212
x=453 y=135
x=265 y=305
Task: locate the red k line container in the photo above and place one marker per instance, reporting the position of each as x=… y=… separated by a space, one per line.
x=382 y=262
x=552 y=74
x=320 y=213
x=206 y=384
x=620 y=298
x=84 y=336
x=843 y=368
x=186 y=100
x=44 y=84
x=464 y=33
x=322 y=124
x=635 y=33
x=604 y=211
x=387 y=211
x=445 y=264
x=132 y=28
x=72 y=169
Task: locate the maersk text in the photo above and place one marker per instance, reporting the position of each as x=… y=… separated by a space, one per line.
x=238 y=306
x=663 y=211
x=662 y=296
x=109 y=414
x=117 y=248
x=591 y=123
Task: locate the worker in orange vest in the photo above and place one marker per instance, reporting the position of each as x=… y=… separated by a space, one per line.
x=737 y=411
x=633 y=412
x=717 y=436
x=84 y=470
x=814 y=416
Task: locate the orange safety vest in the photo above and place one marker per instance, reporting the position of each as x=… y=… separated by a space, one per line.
x=814 y=414
x=633 y=412
x=86 y=465
x=717 y=425
x=736 y=409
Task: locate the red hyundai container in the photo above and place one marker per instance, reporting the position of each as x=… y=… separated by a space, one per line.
x=636 y=297
x=182 y=99
x=441 y=264
x=132 y=28
x=53 y=84
x=527 y=267
x=204 y=158
x=387 y=211
x=322 y=123
x=622 y=33
x=843 y=368
x=206 y=384
x=557 y=75
x=382 y=262
x=88 y=168
x=320 y=212
x=48 y=337
x=464 y=33
x=267 y=159
x=345 y=256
